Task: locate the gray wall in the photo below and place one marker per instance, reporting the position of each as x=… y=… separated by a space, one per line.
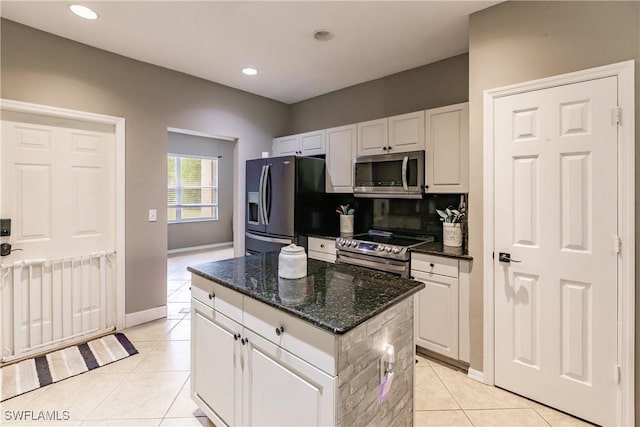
x=45 y=69
x=201 y=233
x=441 y=83
x=520 y=41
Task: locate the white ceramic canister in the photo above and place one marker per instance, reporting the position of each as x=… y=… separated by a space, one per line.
x=292 y=262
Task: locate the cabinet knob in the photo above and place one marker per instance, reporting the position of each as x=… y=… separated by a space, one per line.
x=244 y=341
x=280 y=330
x=389 y=148
x=212 y=295
x=432 y=265
x=236 y=337
x=385 y=148
x=322 y=245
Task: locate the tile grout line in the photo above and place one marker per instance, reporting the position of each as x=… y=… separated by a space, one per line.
x=451 y=394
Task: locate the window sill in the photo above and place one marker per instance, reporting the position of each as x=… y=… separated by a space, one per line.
x=187 y=221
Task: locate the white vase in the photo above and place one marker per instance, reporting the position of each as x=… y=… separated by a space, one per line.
x=451 y=234
x=346 y=224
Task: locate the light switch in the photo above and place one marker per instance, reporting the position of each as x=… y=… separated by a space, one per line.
x=153 y=215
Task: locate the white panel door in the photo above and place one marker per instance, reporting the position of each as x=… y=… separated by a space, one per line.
x=57 y=185
x=555 y=203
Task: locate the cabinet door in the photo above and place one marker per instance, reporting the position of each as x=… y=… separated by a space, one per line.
x=341 y=148
x=286 y=146
x=373 y=137
x=282 y=390
x=447 y=142
x=216 y=375
x=436 y=314
x=406 y=132
x=312 y=143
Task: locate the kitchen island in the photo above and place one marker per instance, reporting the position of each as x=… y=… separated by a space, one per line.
x=312 y=351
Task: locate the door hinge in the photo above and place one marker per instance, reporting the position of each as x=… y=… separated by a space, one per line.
x=617 y=115
x=617 y=244
x=617 y=374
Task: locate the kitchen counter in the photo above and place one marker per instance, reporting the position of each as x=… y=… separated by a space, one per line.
x=334 y=297
x=432 y=248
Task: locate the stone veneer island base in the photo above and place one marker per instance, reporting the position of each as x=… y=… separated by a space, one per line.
x=269 y=351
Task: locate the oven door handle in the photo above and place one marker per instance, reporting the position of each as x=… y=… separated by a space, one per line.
x=405 y=161
x=374 y=264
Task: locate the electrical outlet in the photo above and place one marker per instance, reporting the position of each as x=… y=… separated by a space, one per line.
x=153 y=215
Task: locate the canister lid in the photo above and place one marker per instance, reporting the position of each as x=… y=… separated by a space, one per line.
x=292 y=249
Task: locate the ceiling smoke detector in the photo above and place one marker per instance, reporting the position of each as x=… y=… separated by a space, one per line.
x=322 y=35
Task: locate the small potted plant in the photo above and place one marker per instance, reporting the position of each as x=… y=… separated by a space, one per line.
x=346 y=219
x=451 y=220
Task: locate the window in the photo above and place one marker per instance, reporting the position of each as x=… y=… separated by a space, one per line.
x=192 y=188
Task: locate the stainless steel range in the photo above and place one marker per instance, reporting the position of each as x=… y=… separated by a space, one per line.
x=379 y=250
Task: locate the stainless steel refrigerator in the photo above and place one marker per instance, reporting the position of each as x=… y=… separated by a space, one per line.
x=284 y=200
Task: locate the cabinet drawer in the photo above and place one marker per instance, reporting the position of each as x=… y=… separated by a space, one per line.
x=218 y=297
x=327 y=246
x=434 y=264
x=299 y=337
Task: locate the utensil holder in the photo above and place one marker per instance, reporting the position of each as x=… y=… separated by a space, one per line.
x=346 y=224
x=451 y=234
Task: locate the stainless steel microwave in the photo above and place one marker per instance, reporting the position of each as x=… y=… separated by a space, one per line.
x=398 y=175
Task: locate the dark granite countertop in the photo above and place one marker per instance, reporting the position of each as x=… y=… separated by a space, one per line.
x=335 y=297
x=433 y=248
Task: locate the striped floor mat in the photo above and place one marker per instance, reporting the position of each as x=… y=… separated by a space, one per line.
x=40 y=371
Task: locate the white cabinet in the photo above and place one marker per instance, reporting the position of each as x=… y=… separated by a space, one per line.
x=303 y=144
x=396 y=134
x=216 y=374
x=373 y=137
x=441 y=309
x=447 y=145
x=341 y=148
x=322 y=249
x=267 y=369
x=281 y=389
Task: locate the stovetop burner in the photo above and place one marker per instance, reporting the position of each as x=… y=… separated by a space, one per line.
x=381 y=244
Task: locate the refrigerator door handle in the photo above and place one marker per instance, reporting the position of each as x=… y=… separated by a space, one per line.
x=268 y=239
x=261 y=196
x=266 y=198
x=405 y=185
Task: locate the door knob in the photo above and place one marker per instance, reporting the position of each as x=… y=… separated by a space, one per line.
x=505 y=257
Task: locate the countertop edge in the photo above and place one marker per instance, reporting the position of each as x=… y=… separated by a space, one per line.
x=297 y=314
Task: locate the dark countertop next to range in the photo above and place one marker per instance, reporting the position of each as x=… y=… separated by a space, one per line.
x=334 y=297
x=433 y=248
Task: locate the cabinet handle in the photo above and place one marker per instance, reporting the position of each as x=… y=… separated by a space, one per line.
x=244 y=341
x=280 y=330
x=212 y=295
x=236 y=336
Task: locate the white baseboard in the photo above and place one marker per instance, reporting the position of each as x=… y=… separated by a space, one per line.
x=476 y=375
x=144 y=316
x=199 y=248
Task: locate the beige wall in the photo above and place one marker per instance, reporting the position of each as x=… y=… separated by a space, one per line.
x=45 y=69
x=441 y=83
x=519 y=41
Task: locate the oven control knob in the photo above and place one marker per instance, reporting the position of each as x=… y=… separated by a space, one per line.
x=353 y=243
x=388 y=249
x=396 y=250
x=340 y=242
x=380 y=248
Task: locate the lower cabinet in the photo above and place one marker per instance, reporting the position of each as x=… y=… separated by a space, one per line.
x=282 y=390
x=240 y=378
x=322 y=249
x=441 y=317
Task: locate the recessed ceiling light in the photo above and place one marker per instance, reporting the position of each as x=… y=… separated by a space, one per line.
x=250 y=71
x=322 y=35
x=83 y=11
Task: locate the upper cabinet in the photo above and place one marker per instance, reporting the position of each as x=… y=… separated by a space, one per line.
x=341 y=147
x=304 y=144
x=395 y=134
x=447 y=145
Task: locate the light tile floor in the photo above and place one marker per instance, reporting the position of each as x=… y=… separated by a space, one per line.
x=152 y=387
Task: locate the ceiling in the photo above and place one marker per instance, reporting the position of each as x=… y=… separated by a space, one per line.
x=214 y=40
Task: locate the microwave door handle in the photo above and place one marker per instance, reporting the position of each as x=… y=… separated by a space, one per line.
x=266 y=197
x=405 y=161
